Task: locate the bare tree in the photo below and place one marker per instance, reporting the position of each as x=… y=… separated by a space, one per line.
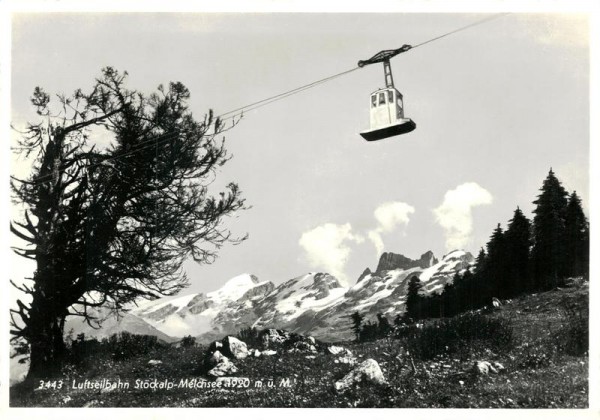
x=109 y=225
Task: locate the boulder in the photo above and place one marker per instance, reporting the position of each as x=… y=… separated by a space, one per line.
x=230 y=347
x=234 y=348
x=368 y=371
x=268 y=352
x=496 y=302
x=256 y=353
x=225 y=367
x=155 y=362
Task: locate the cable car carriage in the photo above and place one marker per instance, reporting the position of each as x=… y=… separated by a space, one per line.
x=386 y=107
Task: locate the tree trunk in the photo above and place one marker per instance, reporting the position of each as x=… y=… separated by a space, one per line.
x=45 y=332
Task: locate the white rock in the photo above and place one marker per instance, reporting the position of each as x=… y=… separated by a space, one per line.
x=224 y=368
x=256 y=353
x=155 y=362
x=234 y=347
x=346 y=360
x=483 y=368
x=268 y=352
x=368 y=371
x=335 y=350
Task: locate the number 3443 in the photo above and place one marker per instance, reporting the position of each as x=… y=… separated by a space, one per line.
x=50 y=385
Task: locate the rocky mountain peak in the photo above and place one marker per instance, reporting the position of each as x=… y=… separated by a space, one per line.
x=364 y=274
x=391 y=261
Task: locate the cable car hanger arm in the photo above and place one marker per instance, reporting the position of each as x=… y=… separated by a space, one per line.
x=384 y=55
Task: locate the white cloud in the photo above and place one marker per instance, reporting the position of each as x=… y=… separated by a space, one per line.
x=389 y=216
x=327 y=247
x=454 y=214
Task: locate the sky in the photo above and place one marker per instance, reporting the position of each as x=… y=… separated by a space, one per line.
x=496 y=106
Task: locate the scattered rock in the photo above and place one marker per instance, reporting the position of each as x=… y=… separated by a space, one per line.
x=303 y=346
x=338 y=350
x=483 y=368
x=225 y=367
x=271 y=336
x=346 y=360
x=155 y=362
x=499 y=366
x=368 y=371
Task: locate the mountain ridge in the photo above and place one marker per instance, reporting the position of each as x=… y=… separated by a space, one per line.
x=315 y=303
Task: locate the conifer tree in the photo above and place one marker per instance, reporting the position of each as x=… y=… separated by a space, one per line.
x=577 y=237
x=452 y=297
x=549 y=253
x=518 y=245
x=383 y=326
x=497 y=265
x=413 y=300
x=357 y=320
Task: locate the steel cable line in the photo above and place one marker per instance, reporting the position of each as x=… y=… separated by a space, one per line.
x=275 y=98
x=258 y=104
x=479 y=22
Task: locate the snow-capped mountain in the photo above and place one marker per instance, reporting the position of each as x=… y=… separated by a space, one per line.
x=195 y=314
x=314 y=303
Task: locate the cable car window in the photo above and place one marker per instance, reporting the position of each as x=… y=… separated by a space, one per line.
x=382 y=98
x=373 y=101
x=390 y=96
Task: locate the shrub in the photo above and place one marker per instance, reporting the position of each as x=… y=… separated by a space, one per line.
x=573 y=336
x=188 y=341
x=250 y=336
x=455 y=334
x=80 y=348
x=125 y=345
x=533 y=357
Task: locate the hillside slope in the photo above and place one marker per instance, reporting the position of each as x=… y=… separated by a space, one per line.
x=538 y=371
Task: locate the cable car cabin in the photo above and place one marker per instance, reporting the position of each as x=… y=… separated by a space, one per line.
x=387 y=115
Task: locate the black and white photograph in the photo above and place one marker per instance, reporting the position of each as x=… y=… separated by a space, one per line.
x=298 y=209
